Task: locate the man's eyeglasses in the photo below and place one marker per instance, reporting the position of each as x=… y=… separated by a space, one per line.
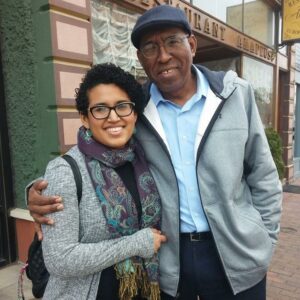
x=122 y=109
x=171 y=44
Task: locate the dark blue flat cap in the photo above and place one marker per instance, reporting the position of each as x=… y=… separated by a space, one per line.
x=158 y=17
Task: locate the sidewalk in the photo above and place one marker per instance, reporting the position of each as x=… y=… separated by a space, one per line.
x=284 y=274
x=283 y=277
x=9 y=283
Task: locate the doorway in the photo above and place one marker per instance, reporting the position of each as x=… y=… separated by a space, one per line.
x=297 y=134
x=7 y=232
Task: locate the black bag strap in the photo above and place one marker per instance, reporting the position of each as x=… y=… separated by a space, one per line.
x=77 y=175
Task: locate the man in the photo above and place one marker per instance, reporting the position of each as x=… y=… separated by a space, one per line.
x=209 y=156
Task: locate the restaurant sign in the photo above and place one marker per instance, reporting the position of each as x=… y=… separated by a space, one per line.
x=213 y=28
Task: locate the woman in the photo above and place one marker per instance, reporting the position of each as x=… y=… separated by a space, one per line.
x=105 y=248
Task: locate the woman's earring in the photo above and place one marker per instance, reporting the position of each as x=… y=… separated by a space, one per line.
x=88 y=133
x=134 y=130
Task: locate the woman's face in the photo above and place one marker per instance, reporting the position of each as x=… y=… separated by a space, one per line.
x=113 y=131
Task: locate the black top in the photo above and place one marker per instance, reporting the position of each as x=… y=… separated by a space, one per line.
x=109 y=285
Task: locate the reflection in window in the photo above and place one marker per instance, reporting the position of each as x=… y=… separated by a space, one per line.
x=253 y=17
x=259 y=21
x=229 y=11
x=260 y=75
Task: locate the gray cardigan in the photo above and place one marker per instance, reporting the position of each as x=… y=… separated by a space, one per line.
x=77 y=247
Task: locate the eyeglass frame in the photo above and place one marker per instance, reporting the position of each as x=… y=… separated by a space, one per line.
x=182 y=38
x=132 y=105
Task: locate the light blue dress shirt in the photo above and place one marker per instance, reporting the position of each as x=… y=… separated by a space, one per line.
x=180 y=125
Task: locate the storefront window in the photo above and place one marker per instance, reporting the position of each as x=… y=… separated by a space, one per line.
x=229 y=11
x=259 y=21
x=260 y=75
x=112 y=26
x=253 y=17
x=224 y=64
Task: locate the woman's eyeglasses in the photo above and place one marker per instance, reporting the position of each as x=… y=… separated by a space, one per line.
x=122 y=109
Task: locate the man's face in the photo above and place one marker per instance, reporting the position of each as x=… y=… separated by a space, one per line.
x=170 y=69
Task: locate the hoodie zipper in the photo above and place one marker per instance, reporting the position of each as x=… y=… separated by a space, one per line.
x=199 y=151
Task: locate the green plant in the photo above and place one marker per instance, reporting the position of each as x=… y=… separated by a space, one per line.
x=275 y=144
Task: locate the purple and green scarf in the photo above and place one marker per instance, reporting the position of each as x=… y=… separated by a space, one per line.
x=120 y=210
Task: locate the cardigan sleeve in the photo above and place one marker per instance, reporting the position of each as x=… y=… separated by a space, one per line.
x=64 y=254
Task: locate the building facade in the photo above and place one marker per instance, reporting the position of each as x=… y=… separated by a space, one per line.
x=48 y=45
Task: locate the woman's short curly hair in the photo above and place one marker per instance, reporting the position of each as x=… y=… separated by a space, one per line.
x=109 y=74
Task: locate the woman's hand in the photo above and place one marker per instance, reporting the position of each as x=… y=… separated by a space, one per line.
x=158 y=238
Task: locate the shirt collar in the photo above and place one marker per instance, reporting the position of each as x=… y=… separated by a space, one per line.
x=202 y=89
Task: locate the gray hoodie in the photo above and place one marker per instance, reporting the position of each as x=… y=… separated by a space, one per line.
x=237 y=179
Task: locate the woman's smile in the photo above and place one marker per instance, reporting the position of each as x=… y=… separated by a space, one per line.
x=114 y=130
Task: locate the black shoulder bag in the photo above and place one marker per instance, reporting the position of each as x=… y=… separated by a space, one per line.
x=36 y=270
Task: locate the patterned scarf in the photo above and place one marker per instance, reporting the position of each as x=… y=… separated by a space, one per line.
x=120 y=211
